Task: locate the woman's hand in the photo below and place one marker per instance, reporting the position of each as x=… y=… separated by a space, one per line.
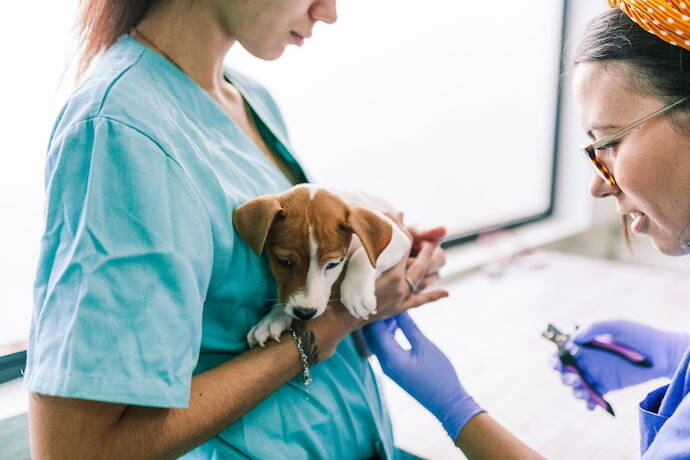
x=438 y=258
x=394 y=289
x=423 y=371
x=432 y=235
x=608 y=372
x=394 y=293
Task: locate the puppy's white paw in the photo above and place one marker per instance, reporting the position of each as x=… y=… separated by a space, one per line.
x=358 y=296
x=270 y=327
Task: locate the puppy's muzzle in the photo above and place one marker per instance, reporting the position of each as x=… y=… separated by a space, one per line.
x=304 y=313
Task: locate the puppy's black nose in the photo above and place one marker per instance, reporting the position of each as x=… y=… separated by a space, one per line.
x=304 y=313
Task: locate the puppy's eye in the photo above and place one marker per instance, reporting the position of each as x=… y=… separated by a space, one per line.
x=285 y=263
x=333 y=264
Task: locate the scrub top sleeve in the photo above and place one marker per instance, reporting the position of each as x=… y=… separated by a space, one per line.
x=125 y=262
x=673 y=439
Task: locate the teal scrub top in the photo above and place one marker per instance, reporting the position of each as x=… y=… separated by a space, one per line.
x=142 y=281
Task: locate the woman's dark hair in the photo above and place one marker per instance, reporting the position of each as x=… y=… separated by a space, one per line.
x=657 y=68
x=101 y=22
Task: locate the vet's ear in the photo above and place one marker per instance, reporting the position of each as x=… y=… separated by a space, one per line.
x=374 y=231
x=254 y=218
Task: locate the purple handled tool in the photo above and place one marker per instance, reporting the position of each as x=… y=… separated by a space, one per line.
x=570 y=365
x=606 y=342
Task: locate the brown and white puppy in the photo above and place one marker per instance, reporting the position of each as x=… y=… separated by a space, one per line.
x=310 y=234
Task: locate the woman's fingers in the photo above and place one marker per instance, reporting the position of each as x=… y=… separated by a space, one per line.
x=427 y=263
x=380 y=336
x=571 y=379
x=412 y=301
x=417 y=270
x=399 y=288
x=555 y=363
x=438 y=260
x=434 y=235
x=428 y=281
x=580 y=393
x=421 y=298
x=431 y=234
x=391 y=288
x=410 y=329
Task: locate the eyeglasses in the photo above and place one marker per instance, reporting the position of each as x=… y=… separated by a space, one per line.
x=590 y=151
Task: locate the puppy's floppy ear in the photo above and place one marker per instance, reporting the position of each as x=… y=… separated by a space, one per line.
x=374 y=231
x=254 y=218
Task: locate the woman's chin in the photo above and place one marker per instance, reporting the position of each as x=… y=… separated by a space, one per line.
x=671 y=248
x=267 y=53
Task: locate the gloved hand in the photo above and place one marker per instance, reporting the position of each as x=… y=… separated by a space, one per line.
x=607 y=371
x=423 y=371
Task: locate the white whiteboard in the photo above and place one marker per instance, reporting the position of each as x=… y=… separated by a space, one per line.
x=444 y=108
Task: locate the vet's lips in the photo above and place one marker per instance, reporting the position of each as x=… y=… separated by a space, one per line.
x=640 y=222
x=297 y=38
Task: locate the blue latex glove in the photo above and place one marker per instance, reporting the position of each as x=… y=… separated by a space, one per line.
x=423 y=371
x=608 y=372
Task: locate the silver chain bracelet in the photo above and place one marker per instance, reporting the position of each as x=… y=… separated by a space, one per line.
x=303 y=357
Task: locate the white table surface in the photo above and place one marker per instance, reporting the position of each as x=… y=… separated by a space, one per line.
x=490 y=328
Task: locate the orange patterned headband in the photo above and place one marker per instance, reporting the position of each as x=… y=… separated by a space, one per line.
x=667 y=19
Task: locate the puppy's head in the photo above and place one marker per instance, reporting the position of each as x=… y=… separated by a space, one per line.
x=306 y=233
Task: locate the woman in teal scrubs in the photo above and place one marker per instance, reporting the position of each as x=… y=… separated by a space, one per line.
x=144 y=293
x=632 y=87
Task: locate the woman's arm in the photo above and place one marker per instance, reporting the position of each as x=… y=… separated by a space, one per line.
x=483 y=437
x=472 y=430
x=72 y=428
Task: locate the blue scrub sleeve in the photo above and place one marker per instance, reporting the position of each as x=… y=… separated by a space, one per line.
x=672 y=441
x=125 y=263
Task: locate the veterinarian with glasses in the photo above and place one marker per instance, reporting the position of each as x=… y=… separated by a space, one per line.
x=145 y=293
x=632 y=86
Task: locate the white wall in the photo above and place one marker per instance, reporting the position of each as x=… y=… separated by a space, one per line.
x=34 y=45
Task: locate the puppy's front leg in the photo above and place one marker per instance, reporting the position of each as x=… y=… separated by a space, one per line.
x=271 y=326
x=358 y=289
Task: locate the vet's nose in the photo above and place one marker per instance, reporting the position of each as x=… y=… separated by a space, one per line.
x=304 y=313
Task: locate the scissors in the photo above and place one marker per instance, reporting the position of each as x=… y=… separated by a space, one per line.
x=604 y=343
